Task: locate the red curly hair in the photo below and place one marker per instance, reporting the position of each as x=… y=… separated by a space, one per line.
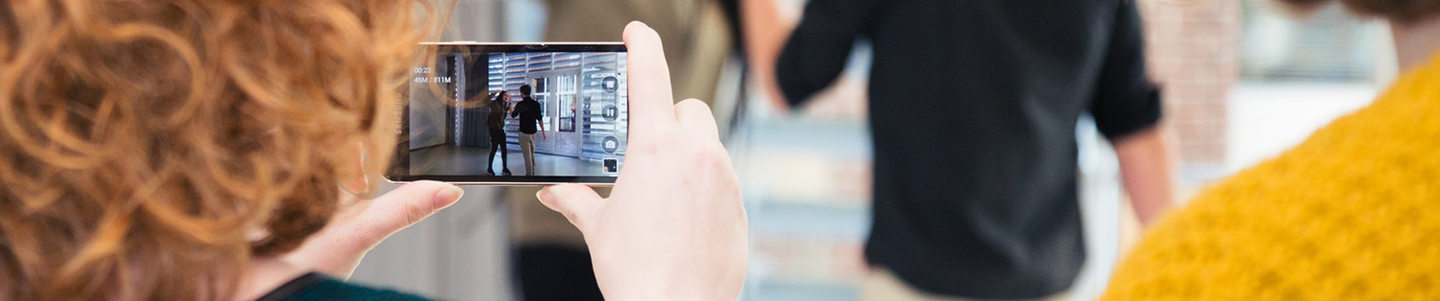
x=150 y=149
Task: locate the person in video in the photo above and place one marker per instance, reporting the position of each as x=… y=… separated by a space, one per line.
x=496 y=123
x=187 y=150
x=1351 y=213
x=973 y=111
x=529 y=113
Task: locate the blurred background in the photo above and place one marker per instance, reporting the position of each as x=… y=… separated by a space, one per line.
x=1243 y=80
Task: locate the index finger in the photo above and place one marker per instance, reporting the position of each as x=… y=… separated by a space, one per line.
x=652 y=106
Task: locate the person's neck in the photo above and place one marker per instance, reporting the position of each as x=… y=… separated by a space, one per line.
x=265 y=275
x=1416 y=42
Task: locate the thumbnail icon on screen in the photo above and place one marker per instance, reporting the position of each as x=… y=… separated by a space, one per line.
x=612 y=165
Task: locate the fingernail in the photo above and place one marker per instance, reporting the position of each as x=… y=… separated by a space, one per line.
x=448 y=196
x=543 y=195
x=637 y=22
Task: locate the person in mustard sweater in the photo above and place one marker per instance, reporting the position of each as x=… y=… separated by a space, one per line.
x=1352 y=213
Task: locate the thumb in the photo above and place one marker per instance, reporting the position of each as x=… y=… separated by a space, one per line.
x=575 y=201
x=406 y=206
x=337 y=248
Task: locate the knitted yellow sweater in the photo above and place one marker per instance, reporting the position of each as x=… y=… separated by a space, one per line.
x=1353 y=213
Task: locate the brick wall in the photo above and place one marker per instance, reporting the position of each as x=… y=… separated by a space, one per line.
x=1192 y=51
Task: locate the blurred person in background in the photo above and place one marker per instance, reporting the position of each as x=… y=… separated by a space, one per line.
x=222 y=150
x=551 y=261
x=1351 y=213
x=973 y=111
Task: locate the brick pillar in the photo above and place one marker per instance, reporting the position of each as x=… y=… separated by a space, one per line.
x=1192 y=49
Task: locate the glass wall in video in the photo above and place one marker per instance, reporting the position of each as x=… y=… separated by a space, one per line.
x=502 y=114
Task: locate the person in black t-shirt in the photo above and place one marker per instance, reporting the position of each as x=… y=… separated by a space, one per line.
x=529 y=112
x=496 y=123
x=975 y=192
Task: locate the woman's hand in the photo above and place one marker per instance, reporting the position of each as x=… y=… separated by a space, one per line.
x=337 y=249
x=674 y=227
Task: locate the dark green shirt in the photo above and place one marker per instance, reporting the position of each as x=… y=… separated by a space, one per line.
x=316 y=286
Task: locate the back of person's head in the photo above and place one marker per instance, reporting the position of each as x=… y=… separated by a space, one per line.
x=1401 y=11
x=150 y=149
x=525 y=90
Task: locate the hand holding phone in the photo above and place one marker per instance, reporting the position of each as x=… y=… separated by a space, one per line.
x=674 y=227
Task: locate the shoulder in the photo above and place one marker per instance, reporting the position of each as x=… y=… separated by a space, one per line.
x=1341 y=214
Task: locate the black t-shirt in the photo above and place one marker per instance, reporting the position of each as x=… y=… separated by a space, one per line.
x=973 y=108
x=529 y=112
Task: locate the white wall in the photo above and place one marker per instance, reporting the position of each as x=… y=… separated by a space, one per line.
x=427 y=115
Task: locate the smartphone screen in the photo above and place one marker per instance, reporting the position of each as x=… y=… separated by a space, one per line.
x=514 y=114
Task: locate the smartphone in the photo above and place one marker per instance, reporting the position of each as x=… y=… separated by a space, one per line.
x=514 y=114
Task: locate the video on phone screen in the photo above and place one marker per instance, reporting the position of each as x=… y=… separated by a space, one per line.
x=517 y=114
